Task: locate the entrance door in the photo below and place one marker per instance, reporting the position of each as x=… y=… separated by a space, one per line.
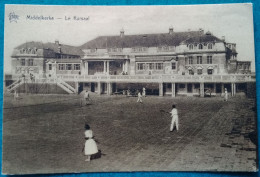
x=80 y=89
x=189 y=88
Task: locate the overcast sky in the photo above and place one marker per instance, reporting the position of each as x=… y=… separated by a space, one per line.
x=234 y=21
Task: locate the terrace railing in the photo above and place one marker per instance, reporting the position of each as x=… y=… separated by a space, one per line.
x=159 y=78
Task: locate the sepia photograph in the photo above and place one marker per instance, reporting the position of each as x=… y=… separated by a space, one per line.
x=129 y=88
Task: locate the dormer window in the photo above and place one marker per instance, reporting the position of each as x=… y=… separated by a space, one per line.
x=210 y=46
x=200 y=46
x=93 y=50
x=190 y=47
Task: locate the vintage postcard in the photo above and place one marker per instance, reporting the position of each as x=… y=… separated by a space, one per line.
x=129 y=88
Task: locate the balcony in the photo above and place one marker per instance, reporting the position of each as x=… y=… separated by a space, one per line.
x=235 y=78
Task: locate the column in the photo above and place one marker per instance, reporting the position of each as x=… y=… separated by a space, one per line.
x=215 y=88
x=109 y=88
x=86 y=68
x=126 y=66
x=160 y=89
x=173 y=90
x=108 y=67
x=105 y=66
x=99 y=88
x=222 y=89
x=77 y=87
x=232 y=89
x=202 y=89
x=235 y=89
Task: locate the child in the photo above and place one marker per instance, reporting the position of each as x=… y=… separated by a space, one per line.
x=90 y=147
x=175 y=118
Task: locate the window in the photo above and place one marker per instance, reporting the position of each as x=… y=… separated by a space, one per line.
x=191 y=72
x=76 y=66
x=140 y=66
x=140 y=49
x=93 y=50
x=68 y=66
x=173 y=66
x=165 y=48
x=61 y=67
x=210 y=46
x=196 y=86
x=199 y=59
x=50 y=66
x=210 y=71
x=190 y=60
x=23 y=62
x=159 y=66
x=151 y=66
x=199 y=71
x=30 y=62
x=209 y=59
x=200 y=46
x=182 y=86
x=190 y=47
x=115 y=50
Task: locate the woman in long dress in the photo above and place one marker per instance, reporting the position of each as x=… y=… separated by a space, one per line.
x=90 y=147
x=226 y=95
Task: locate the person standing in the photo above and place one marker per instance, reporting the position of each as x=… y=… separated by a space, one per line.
x=144 y=93
x=175 y=118
x=86 y=97
x=226 y=95
x=16 y=96
x=139 y=95
x=90 y=147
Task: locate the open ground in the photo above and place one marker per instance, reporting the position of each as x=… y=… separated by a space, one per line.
x=45 y=134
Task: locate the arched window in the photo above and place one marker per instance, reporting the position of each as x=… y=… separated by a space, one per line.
x=190 y=47
x=210 y=46
x=200 y=46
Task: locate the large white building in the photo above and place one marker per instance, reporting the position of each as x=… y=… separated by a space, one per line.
x=172 y=63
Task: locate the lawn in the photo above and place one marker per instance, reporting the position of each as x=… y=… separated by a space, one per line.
x=45 y=134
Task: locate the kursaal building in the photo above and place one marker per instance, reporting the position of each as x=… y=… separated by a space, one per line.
x=191 y=63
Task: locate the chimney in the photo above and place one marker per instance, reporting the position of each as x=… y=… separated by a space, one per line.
x=171 y=30
x=223 y=38
x=122 y=32
x=57 y=42
x=59 y=48
x=201 y=31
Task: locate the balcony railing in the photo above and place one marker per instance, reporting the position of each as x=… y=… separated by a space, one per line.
x=159 y=78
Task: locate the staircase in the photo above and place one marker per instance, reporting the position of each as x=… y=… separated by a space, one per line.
x=68 y=88
x=61 y=83
x=14 y=85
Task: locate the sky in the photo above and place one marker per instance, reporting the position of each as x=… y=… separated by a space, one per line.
x=234 y=21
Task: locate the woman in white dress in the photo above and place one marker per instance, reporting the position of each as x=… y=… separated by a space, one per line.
x=175 y=118
x=90 y=147
x=226 y=95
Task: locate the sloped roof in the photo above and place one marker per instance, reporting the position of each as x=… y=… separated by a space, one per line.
x=202 y=39
x=65 y=49
x=144 y=40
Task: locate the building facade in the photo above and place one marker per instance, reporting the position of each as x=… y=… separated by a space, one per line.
x=174 y=63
